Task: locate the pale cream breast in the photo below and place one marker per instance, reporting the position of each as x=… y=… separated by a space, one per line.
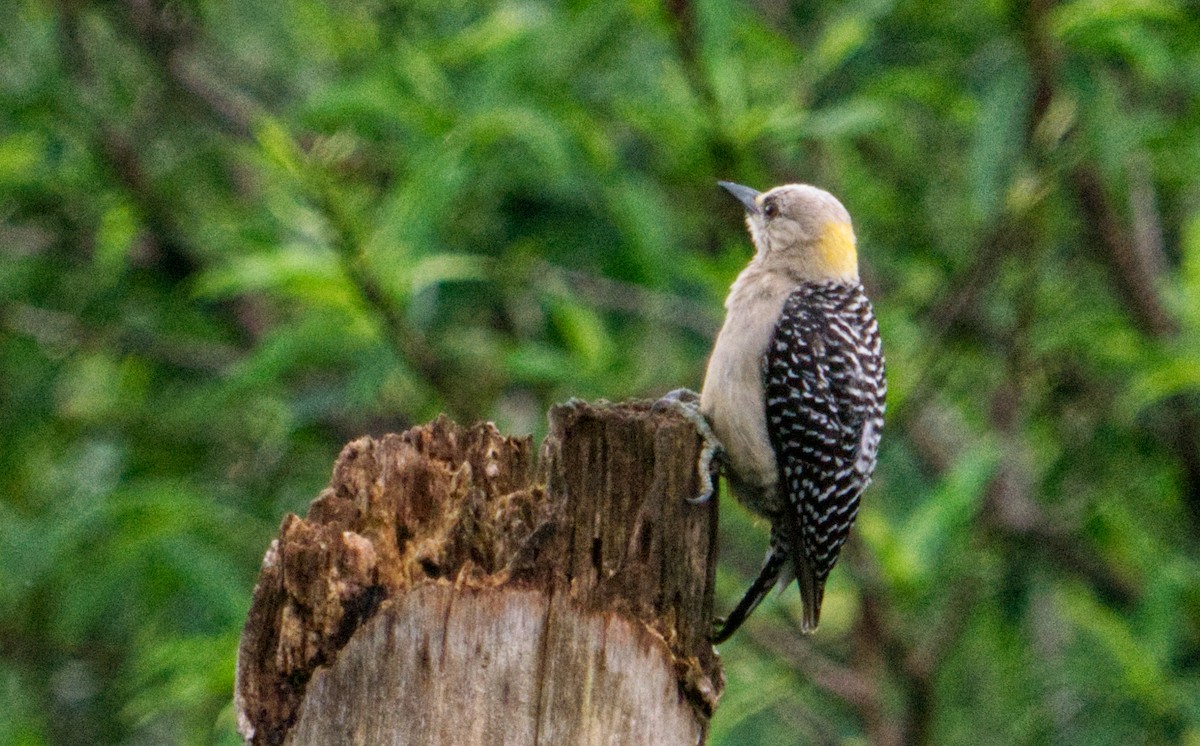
x=736 y=406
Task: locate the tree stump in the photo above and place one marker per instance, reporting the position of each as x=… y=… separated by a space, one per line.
x=445 y=589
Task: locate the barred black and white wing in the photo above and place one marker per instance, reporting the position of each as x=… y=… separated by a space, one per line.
x=824 y=389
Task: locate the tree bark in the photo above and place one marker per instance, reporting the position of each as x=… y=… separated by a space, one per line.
x=445 y=589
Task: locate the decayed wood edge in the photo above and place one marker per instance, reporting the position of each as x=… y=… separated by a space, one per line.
x=600 y=521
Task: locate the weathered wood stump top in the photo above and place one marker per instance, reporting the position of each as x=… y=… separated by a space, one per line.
x=445 y=576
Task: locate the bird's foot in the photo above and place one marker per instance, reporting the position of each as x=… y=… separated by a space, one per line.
x=687 y=403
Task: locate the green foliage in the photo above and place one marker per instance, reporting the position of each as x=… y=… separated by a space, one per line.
x=236 y=235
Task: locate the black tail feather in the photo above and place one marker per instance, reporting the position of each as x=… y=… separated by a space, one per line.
x=767 y=577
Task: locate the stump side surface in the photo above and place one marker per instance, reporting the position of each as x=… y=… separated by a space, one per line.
x=538 y=669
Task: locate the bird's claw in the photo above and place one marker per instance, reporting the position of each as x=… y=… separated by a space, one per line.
x=680 y=399
x=687 y=403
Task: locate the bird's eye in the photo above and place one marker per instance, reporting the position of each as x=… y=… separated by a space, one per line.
x=770 y=209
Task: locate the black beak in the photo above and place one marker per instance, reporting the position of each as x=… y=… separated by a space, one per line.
x=744 y=194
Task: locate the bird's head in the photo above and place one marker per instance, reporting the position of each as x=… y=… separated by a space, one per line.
x=800 y=230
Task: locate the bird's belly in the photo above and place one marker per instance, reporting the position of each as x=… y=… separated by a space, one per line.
x=732 y=400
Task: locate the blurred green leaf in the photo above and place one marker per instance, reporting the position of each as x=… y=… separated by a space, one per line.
x=1143 y=677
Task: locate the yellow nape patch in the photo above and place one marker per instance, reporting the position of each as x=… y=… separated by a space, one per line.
x=836 y=251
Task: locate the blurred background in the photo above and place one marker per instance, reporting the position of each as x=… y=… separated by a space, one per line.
x=235 y=235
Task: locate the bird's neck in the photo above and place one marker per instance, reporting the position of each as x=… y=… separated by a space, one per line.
x=835 y=253
x=830 y=257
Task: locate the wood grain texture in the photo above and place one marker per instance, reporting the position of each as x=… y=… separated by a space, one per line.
x=445 y=665
x=445 y=589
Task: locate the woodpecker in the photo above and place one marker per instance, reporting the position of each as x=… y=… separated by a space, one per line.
x=795 y=388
